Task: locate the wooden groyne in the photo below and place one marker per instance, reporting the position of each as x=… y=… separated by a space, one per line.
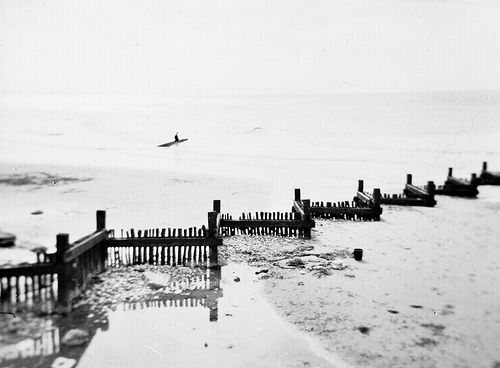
x=412 y=195
x=458 y=187
x=53 y=283
x=363 y=207
x=297 y=223
x=174 y=247
x=489 y=177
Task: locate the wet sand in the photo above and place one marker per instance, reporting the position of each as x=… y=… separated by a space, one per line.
x=247 y=333
x=423 y=296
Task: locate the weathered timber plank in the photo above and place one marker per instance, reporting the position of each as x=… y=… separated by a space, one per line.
x=455 y=181
x=346 y=210
x=164 y=242
x=416 y=190
x=457 y=190
x=266 y=223
x=30 y=270
x=82 y=245
x=490 y=178
x=298 y=207
x=405 y=201
x=364 y=197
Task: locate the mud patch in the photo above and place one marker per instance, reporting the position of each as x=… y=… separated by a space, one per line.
x=437 y=330
x=38 y=179
x=364 y=330
x=425 y=341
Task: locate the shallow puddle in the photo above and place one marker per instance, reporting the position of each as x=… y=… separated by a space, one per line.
x=239 y=329
x=221 y=321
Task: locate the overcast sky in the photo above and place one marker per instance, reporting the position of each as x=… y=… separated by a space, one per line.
x=252 y=47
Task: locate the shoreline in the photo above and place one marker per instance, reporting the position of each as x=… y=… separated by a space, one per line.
x=422 y=296
x=402 y=305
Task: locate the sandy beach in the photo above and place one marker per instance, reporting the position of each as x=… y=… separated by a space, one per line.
x=421 y=296
x=267 y=97
x=424 y=294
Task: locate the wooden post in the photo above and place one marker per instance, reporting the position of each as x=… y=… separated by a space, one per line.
x=450 y=172
x=297 y=194
x=307 y=209
x=217 y=205
x=101 y=225
x=408 y=179
x=65 y=275
x=212 y=224
x=485 y=166
x=431 y=188
x=376 y=203
x=307 y=217
x=376 y=197
x=360 y=186
x=101 y=220
x=474 y=181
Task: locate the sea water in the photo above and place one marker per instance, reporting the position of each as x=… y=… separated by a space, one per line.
x=250 y=152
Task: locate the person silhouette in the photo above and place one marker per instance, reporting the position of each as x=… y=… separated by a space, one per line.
x=176 y=137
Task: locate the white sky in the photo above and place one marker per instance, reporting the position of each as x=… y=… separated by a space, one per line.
x=251 y=47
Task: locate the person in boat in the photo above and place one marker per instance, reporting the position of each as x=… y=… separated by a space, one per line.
x=176 y=138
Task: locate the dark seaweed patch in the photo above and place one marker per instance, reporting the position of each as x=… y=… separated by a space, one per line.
x=38 y=179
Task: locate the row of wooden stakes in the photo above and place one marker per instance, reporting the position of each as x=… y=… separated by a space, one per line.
x=192 y=232
x=157 y=255
x=282 y=216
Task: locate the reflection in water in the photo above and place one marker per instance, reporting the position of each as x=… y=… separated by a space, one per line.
x=161 y=330
x=43 y=346
x=248 y=333
x=40 y=349
x=202 y=293
x=37 y=293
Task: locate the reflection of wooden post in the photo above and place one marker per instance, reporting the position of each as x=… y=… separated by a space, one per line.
x=214 y=311
x=214 y=256
x=215 y=277
x=64 y=276
x=213 y=299
x=408 y=179
x=360 y=186
x=297 y=194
